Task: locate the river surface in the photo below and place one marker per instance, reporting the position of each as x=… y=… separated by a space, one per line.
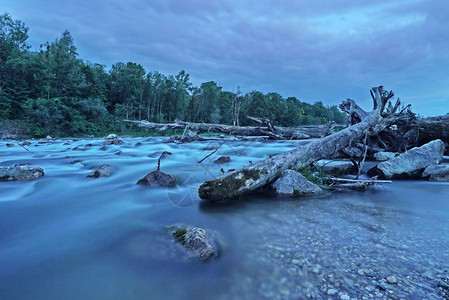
x=67 y=236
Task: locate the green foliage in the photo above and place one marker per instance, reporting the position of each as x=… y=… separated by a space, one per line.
x=55 y=92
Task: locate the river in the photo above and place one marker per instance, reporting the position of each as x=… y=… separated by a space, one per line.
x=67 y=236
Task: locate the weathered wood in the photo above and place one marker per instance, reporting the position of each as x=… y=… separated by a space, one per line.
x=433 y=128
x=237 y=183
x=277 y=133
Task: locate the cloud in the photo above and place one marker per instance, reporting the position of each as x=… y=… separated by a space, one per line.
x=320 y=50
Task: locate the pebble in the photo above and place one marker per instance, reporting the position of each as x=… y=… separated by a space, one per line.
x=332 y=292
x=392 y=280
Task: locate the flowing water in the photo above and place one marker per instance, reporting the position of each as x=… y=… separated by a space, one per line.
x=67 y=236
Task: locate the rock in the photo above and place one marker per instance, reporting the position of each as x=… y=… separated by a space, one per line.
x=335 y=167
x=111 y=136
x=20 y=173
x=332 y=292
x=198 y=242
x=75 y=161
x=392 y=280
x=292 y=183
x=79 y=149
x=103 y=148
x=138 y=144
x=102 y=171
x=118 y=153
x=437 y=173
x=191 y=136
x=222 y=159
x=157 y=178
x=9 y=145
x=113 y=142
x=48 y=137
x=410 y=164
x=384 y=156
x=26 y=143
x=88 y=145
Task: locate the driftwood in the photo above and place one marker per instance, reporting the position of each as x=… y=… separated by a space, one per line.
x=267 y=130
x=237 y=183
x=433 y=128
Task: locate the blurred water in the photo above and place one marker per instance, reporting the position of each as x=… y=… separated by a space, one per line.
x=66 y=236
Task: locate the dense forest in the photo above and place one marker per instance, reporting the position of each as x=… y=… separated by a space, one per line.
x=53 y=91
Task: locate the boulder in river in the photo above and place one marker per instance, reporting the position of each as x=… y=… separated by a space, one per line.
x=104 y=170
x=20 y=173
x=26 y=143
x=158 y=178
x=384 y=156
x=222 y=159
x=115 y=141
x=111 y=136
x=294 y=184
x=411 y=163
x=198 y=242
x=437 y=173
x=191 y=136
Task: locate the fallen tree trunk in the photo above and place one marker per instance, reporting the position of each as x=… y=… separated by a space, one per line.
x=237 y=183
x=433 y=128
x=269 y=130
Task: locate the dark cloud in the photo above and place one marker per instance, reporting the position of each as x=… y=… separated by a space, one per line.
x=315 y=50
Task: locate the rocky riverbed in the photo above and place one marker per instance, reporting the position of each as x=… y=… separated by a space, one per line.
x=66 y=235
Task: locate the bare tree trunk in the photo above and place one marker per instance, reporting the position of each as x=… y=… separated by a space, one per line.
x=237 y=183
x=276 y=133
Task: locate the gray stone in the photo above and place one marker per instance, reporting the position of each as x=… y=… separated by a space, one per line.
x=437 y=172
x=115 y=141
x=384 y=156
x=191 y=136
x=410 y=164
x=332 y=292
x=336 y=167
x=392 y=280
x=102 y=171
x=111 y=136
x=20 y=173
x=198 y=242
x=292 y=183
x=157 y=178
x=222 y=159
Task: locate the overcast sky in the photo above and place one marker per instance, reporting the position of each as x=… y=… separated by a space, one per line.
x=313 y=50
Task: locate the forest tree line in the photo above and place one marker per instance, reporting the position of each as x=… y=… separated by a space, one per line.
x=53 y=91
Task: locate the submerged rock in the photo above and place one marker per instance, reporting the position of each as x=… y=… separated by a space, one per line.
x=198 y=242
x=26 y=143
x=294 y=184
x=222 y=159
x=158 y=178
x=412 y=163
x=437 y=173
x=115 y=141
x=102 y=171
x=384 y=156
x=20 y=173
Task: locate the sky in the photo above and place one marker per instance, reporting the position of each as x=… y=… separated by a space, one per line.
x=320 y=50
